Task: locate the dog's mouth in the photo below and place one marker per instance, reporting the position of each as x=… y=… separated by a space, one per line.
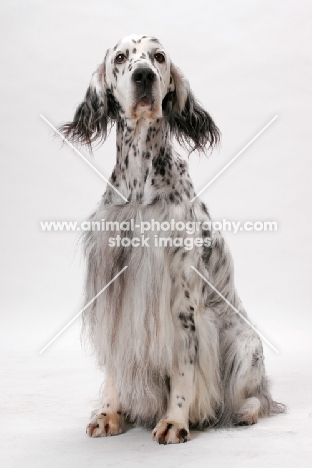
x=145 y=106
x=145 y=101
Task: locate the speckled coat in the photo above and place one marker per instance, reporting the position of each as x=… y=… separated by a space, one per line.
x=174 y=352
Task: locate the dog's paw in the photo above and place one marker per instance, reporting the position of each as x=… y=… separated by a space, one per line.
x=171 y=432
x=106 y=424
x=246 y=419
x=248 y=413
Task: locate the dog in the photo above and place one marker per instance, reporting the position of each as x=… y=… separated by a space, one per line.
x=175 y=354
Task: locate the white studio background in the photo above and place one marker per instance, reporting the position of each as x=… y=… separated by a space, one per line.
x=246 y=62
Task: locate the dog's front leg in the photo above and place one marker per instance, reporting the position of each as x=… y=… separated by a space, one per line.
x=174 y=427
x=109 y=419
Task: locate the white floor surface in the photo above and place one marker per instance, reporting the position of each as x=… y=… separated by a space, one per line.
x=47 y=400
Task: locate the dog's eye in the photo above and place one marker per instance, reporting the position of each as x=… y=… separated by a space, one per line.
x=160 y=58
x=120 y=58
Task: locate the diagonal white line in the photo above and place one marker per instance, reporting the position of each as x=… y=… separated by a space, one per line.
x=82 y=156
x=79 y=313
x=235 y=310
x=235 y=157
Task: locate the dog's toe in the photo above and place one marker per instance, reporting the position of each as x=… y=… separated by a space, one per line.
x=170 y=432
x=105 y=424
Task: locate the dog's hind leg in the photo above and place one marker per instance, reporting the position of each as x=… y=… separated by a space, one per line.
x=109 y=419
x=245 y=385
x=247 y=394
x=248 y=413
x=243 y=372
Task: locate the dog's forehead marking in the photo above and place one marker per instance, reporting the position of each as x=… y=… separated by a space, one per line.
x=136 y=44
x=137 y=49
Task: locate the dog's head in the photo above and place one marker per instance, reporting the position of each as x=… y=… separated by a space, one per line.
x=138 y=80
x=137 y=73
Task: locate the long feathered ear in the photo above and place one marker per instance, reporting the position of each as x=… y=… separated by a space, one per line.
x=94 y=115
x=189 y=122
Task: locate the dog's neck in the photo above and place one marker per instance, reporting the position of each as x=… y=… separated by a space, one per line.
x=141 y=139
x=144 y=158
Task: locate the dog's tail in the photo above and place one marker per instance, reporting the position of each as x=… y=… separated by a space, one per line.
x=270 y=407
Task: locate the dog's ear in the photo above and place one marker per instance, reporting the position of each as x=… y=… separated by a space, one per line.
x=189 y=122
x=95 y=115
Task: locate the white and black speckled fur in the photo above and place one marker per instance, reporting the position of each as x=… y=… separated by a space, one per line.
x=173 y=350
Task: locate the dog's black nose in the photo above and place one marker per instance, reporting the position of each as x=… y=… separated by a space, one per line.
x=143 y=76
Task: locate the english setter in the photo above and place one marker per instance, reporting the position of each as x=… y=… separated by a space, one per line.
x=174 y=352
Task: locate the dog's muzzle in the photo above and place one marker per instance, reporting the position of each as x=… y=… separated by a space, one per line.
x=143 y=79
